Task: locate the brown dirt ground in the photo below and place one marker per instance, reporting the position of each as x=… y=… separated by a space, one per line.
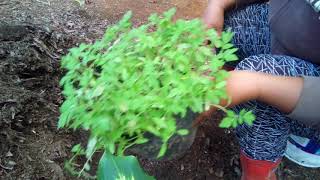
x=33 y=36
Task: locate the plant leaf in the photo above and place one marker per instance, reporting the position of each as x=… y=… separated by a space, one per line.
x=91 y=147
x=183 y=132
x=226 y=122
x=227 y=36
x=113 y=167
x=163 y=150
x=231 y=57
x=249 y=117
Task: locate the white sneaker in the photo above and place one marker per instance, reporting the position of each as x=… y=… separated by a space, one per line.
x=303 y=151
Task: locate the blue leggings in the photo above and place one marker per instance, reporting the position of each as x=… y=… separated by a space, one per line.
x=267 y=138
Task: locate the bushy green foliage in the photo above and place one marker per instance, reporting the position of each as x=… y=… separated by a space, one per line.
x=135 y=80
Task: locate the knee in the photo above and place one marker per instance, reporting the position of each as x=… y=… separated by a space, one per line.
x=256 y=63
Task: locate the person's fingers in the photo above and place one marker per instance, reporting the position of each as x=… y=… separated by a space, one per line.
x=213 y=16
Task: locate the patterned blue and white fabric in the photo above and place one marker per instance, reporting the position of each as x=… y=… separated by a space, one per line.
x=251 y=30
x=315 y=4
x=267 y=138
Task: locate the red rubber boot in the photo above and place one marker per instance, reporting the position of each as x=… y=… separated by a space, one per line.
x=257 y=169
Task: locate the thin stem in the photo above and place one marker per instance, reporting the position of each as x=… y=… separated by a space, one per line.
x=220 y=107
x=88 y=159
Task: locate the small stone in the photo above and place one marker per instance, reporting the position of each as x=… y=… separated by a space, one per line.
x=47 y=29
x=2 y=52
x=70 y=25
x=12 y=53
x=182 y=167
x=211 y=171
x=29 y=158
x=88 y=1
x=207 y=141
x=49 y=161
x=202 y=135
x=11 y=163
x=9 y=154
x=219 y=173
x=234 y=160
x=237 y=171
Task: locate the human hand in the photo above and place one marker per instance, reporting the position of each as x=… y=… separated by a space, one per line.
x=214 y=14
x=242 y=86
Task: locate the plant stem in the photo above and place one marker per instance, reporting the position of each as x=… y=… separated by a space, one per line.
x=220 y=107
x=88 y=159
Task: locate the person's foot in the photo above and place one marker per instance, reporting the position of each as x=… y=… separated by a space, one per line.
x=303 y=151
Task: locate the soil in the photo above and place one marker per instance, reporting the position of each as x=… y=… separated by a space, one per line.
x=34 y=34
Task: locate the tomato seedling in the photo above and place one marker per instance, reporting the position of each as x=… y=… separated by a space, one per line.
x=137 y=80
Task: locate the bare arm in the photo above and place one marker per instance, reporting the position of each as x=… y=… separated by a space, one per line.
x=298 y=97
x=278 y=91
x=242 y=86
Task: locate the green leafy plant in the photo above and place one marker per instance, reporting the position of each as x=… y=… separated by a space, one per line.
x=136 y=80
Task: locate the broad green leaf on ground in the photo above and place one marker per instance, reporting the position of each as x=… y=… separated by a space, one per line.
x=120 y=168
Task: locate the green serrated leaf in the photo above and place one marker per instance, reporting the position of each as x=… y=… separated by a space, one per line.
x=231 y=114
x=142 y=140
x=249 y=117
x=76 y=148
x=221 y=84
x=226 y=123
x=91 y=147
x=183 y=132
x=111 y=148
x=227 y=46
x=242 y=112
x=163 y=150
x=169 y=14
x=231 y=51
x=240 y=120
x=231 y=57
x=226 y=36
x=87 y=167
x=217 y=43
x=234 y=123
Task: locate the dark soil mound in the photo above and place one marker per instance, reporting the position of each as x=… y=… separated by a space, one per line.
x=30 y=145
